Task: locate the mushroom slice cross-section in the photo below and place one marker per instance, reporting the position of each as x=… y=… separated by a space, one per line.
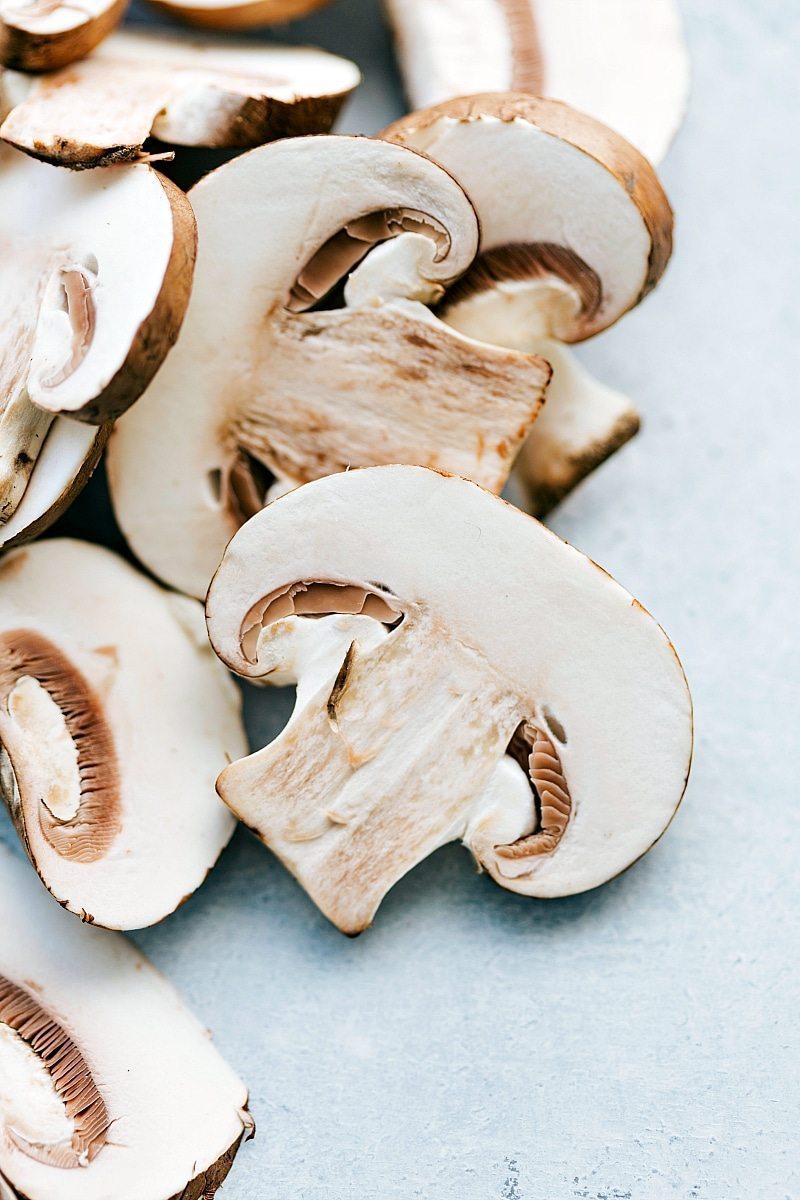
x=187 y=91
x=238 y=14
x=258 y=387
x=577 y=235
x=623 y=61
x=108 y=1085
x=42 y=35
x=482 y=681
x=115 y=719
x=95 y=273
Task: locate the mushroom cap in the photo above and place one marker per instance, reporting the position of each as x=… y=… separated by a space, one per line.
x=238 y=14
x=395 y=748
x=185 y=90
x=175 y=1112
x=70 y=453
x=111 y=779
x=309 y=393
x=623 y=61
x=130 y=234
x=42 y=35
x=577 y=205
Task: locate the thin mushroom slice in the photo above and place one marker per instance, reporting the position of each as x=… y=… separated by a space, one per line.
x=42 y=35
x=623 y=61
x=115 y=719
x=504 y=691
x=108 y=1085
x=95 y=273
x=579 y=233
x=238 y=14
x=186 y=91
x=259 y=390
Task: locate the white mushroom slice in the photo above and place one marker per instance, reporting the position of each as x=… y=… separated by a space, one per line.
x=258 y=389
x=187 y=91
x=510 y=693
x=95 y=273
x=238 y=14
x=115 y=719
x=578 y=234
x=109 y=1087
x=41 y=35
x=623 y=61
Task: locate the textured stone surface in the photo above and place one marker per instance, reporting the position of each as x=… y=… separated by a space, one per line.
x=640 y=1042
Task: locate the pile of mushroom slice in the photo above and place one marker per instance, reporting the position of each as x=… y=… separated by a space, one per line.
x=623 y=61
x=108 y=1085
x=115 y=720
x=259 y=396
x=95 y=274
x=187 y=91
x=578 y=234
x=462 y=674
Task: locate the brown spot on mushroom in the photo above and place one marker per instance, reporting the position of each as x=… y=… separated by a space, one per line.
x=71 y=1077
x=537 y=755
x=87 y=836
x=340 y=683
x=534 y=260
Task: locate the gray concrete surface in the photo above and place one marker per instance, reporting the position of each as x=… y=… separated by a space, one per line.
x=639 y=1042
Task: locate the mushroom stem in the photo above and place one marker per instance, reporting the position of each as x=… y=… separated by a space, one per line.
x=583 y=423
x=352 y=815
x=23 y=429
x=293 y=422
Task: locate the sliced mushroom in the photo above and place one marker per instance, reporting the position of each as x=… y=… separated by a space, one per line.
x=108 y=1085
x=579 y=232
x=238 y=14
x=41 y=35
x=115 y=719
x=258 y=390
x=186 y=91
x=623 y=61
x=95 y=273
x=500 y=688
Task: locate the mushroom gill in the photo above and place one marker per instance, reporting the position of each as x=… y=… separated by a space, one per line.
x=316 y=598
x=521 y=262
x=74 y=291
x=87 y=835
x=536 y=754
x=336 y=257
x=71 y=1077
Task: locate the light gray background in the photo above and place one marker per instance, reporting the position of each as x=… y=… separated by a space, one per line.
x=639 y=1042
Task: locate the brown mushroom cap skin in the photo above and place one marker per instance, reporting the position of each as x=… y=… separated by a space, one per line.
x=184 y=90
x=608 y=148
x=24 y=49
x=241 y=16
